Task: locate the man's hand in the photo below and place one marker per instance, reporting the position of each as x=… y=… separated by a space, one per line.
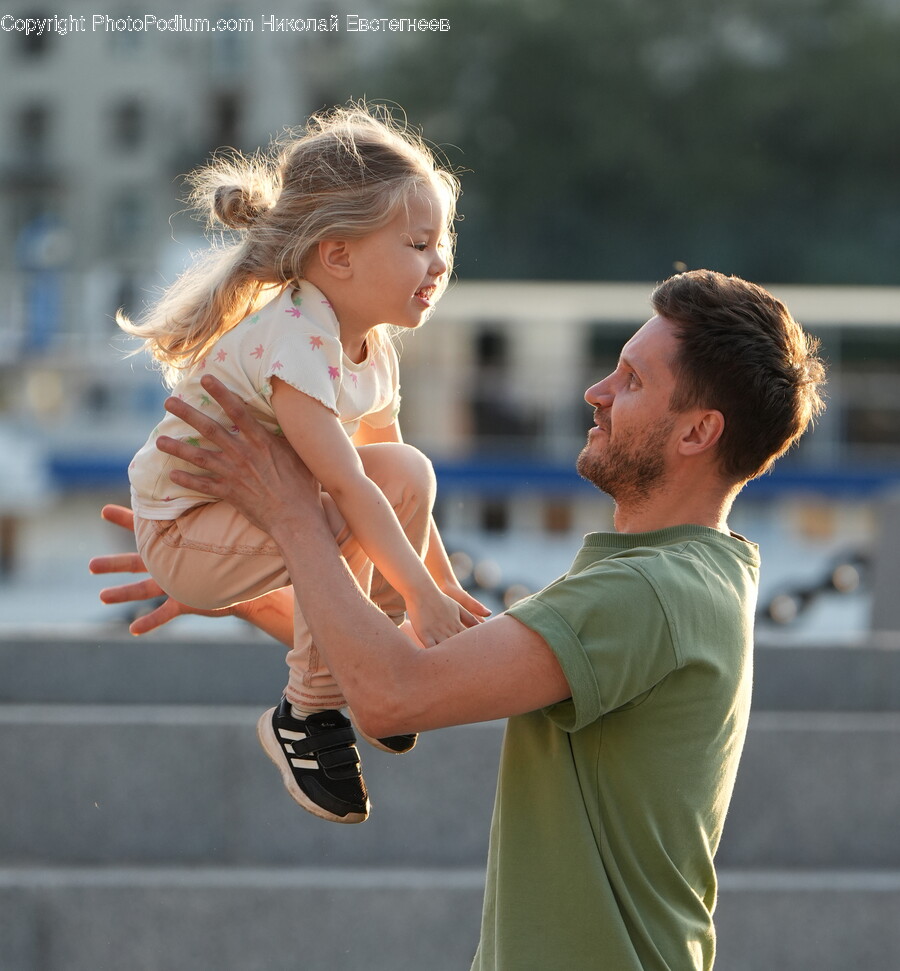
x=250 y=468
x=146 y=589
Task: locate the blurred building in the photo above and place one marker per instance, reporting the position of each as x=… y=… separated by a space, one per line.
x=501 y=368
x=492 y=389
x=98 y=123
x=98 y=119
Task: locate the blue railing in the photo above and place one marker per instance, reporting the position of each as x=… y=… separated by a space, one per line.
x=507 y=476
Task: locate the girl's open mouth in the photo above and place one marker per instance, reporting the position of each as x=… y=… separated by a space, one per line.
x=426 y=293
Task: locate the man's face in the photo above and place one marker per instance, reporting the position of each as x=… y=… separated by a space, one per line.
x=626 y=453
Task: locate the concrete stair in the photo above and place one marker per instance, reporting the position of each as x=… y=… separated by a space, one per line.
x=108 y=785
x=142 y=828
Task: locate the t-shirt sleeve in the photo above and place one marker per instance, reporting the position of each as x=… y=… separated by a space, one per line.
x=610 y=634
x=308 y=360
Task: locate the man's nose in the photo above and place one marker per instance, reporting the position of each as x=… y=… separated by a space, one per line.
x=599 y=395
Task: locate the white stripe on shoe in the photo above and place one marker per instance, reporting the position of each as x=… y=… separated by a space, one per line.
x=292 y=736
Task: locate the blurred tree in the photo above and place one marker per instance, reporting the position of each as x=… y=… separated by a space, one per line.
x=619 y=138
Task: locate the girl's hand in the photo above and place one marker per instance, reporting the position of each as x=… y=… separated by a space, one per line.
x=436 y=618
x=472 y=606
x=146 y=589
x=438 y=565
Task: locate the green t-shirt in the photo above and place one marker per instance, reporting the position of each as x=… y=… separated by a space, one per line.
x=610 y=805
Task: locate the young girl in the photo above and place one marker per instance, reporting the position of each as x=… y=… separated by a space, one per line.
x=342 y=230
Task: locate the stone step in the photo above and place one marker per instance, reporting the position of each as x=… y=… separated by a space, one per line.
x=827 y=920
x=109 y=668
x=144 y=919
x=233 y=919
x=175 y=784
x=242 y=668
x=172 y=784
x=817 y=789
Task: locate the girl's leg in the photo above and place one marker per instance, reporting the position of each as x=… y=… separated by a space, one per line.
x=211 y=556
x=310 y=684
x=406 y=478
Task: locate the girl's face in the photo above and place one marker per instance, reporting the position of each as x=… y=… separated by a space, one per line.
x=399 y=271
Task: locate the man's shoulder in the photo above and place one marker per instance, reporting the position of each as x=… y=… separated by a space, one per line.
x=694 y=573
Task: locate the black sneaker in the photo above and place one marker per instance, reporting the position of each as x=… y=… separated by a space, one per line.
x=393 y=744
x=318 y=760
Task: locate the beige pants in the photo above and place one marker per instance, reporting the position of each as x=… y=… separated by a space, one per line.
x=211 y=557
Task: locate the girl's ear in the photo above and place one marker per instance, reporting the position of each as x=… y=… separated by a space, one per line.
x=334 y=257
x=703 y=432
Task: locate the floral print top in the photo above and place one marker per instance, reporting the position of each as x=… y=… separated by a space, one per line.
x=295 y=337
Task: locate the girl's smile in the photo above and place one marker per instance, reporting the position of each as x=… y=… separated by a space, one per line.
x=426 y=294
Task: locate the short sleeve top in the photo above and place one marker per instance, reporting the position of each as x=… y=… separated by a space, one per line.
x=295 y=337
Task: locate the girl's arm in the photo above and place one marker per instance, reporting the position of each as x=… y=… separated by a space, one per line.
x=316 y=435
x=438 y=565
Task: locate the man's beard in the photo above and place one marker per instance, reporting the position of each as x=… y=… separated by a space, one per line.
x=631 y=470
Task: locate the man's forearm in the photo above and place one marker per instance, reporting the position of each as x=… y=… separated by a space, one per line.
x=368 y=656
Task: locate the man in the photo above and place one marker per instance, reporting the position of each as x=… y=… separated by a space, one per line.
x=627 y=681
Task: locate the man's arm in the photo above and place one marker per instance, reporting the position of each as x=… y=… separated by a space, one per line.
x=494 y=670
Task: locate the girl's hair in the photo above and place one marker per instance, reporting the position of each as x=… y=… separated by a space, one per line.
x=344 y=175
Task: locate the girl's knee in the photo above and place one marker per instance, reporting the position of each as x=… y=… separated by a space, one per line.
x=416 y=465
x=397 y=466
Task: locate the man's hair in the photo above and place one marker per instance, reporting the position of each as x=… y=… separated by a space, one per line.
x=743 y=354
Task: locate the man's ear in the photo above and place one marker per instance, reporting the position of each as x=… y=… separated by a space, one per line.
x=702 y=433
x=334 y=257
